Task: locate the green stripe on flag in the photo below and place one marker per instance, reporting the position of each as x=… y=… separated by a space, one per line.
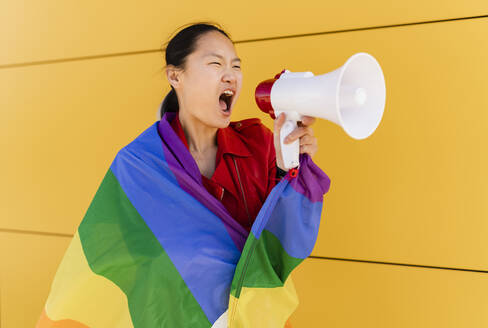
x=120 y=246
x=264 y=264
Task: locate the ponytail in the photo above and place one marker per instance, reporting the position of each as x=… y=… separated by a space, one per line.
x=170 y=103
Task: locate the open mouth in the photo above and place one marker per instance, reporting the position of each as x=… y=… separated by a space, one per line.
x=225 y=101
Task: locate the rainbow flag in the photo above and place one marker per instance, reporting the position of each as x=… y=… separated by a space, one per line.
x=155 y=249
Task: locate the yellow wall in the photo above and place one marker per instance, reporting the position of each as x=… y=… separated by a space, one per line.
x=406 y=206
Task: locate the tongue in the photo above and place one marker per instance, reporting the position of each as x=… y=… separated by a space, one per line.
x=223 y=104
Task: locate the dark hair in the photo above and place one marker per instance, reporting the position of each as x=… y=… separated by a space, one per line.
x=178 y=48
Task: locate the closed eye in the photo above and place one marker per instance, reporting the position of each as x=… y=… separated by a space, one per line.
x=219 y=64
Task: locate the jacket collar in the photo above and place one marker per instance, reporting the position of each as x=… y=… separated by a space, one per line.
x=228 y=139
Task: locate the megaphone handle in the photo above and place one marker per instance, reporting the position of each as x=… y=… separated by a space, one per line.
x=291 y=151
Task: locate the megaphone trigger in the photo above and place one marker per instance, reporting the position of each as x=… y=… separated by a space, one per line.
x=290 y=151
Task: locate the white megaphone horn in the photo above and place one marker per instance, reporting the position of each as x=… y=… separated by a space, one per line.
x=352 y=96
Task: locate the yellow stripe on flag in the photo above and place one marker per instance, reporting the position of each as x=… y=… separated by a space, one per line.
x=263 y=307
x=83 y=296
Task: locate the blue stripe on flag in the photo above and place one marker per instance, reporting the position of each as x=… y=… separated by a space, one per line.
x=207 y=256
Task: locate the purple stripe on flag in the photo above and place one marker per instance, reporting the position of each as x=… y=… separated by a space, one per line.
x=311 y=181
x=180 y=160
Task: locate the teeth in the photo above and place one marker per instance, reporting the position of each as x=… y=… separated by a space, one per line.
x=229 y=92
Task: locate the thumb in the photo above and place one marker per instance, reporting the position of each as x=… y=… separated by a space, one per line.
x=279 y=122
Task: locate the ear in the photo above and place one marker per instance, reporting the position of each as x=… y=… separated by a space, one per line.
x=173 y=75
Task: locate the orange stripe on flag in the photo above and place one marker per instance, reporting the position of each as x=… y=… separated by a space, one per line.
x=45 y=322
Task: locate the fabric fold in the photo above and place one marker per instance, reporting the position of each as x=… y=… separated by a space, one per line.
x=155 y=249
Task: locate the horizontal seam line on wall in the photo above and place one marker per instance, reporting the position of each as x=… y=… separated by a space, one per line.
x=362 y=29
x=311 y=256
x=63 y=60
x=393 y=263
x=31 y=232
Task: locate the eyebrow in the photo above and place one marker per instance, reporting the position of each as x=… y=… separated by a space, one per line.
x=217 y=55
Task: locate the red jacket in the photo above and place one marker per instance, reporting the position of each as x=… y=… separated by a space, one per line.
x=245 y=169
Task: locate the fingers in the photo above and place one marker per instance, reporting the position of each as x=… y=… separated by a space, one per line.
x=308 y=144
x=303 y=131
x=310 y=149
x=307 y=140
x=298 y=132
x=307 y=120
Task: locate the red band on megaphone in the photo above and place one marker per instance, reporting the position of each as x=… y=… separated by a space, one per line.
x=277 y=76
x=262 y=96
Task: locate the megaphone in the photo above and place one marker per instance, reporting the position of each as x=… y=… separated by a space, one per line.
x=352 y=96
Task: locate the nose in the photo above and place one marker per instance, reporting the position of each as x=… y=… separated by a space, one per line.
x=229 y=76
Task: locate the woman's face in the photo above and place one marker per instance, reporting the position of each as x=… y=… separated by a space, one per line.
x=209 y=70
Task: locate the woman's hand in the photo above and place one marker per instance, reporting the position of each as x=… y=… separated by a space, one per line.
x=308 y=143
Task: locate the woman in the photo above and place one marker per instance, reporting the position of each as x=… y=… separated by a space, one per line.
x=239 y=161
x=168 y=239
